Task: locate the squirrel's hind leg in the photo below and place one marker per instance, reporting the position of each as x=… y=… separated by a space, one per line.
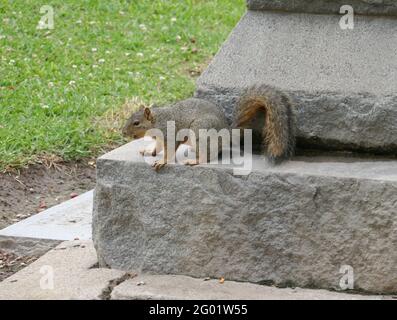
x=153 y=149
x=202 y=156
x=193 y=162
x=167 y=157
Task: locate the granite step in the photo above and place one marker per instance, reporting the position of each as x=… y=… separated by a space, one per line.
x=295 y=224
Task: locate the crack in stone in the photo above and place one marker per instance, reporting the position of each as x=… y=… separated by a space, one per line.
x=107 y=292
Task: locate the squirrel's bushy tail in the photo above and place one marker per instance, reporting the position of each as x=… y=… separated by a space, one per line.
x=278 y=130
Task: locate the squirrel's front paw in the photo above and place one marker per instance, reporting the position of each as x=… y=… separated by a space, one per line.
x=158 y=164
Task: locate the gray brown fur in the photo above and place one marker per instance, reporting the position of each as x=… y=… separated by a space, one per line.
x=193 y=114
x=270 y=113
x=266 y=110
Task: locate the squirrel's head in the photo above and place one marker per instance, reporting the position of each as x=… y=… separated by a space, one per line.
x=139 y=122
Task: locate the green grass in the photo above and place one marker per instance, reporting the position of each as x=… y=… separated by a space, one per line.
x=56 y=85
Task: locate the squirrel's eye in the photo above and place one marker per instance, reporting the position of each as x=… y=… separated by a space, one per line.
x=136 y=123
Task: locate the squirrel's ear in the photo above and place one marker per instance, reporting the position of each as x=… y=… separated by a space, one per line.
x=148 y=114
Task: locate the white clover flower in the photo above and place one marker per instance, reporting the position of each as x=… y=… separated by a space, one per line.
x=142 y=27
x=140 y=54
x=108 y=52
x=79 y=22
x=101 y=60
x=72 y=82
x=74 y=66
x=95 y=66
x=50 y=84
x=94 y=49
x=41 y=25
x=12 y=61
x=173 y=19
x=162 y=78
x=44 y=106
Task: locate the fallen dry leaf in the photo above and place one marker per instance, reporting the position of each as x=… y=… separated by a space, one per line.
x=42 y=205
x=73 y=195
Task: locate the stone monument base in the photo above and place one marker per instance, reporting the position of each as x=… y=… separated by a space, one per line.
x=342 y=81
x=295 y=224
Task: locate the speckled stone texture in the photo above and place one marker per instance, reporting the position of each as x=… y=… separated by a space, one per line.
x=342 y=81
x=291 y=225
x=368 y=7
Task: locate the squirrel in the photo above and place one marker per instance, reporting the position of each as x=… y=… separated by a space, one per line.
x=193 y=114
x=266 y=110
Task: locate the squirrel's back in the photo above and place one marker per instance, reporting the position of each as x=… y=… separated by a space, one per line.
x=197 y=108
x=191 y=113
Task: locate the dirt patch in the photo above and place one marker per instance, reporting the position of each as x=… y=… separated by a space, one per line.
x=17 y=253
x=11 y=263
x=38 y=187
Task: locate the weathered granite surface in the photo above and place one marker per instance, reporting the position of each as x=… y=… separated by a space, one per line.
x=343 y=81
x=291 y=225
x=66 y=272
x=169 y=287
x=369 y=7
x=26 y=246
x=76 y=276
